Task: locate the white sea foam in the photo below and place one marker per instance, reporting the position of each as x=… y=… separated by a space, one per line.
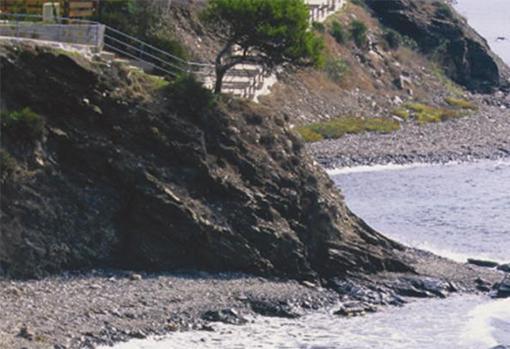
x=398 y=167
x=374 y=168
x=460 y=322
x=481 y=329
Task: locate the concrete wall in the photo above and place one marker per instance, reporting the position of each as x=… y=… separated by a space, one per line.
x=83 y=34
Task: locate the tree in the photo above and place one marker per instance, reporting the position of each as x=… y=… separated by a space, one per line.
x=263 y=32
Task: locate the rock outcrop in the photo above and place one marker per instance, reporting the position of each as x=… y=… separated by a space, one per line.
x=441 y=33
x=164 y=182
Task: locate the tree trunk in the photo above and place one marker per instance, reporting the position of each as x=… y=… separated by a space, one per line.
x=220 y=74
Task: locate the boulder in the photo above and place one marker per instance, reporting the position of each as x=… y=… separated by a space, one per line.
x=503 y=288
x=482 y=285
x=351 y=309
x=227 y=316
x=274 y=309
x=482 y=263
x=422 y=287
x=504 y=267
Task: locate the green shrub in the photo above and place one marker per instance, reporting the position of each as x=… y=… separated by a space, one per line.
x=189 y=97
x=443 y=10
x=309 y=135
x=338 y=32
x=426 y=114
x=319 y=27
x=358 y=31
x=7 y=165
x=143 y=21
x=461 y=103
x=23 y=124
x=336 y=69
x=409 y=42
x=393 y=38
x=336 y=128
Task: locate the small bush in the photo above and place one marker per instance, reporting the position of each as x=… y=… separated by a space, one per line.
x=7 y=165
x=23 y=124
x=336 y=69
x=461 y=103
x=402 y=113
x=443 y=10
x=336 y=128
x=393 y=38
x=319 y=27
x=309 y=135
x=358 y=31
x=338 y=32
x=188 y=96
x=427 y=114
x=409 y=42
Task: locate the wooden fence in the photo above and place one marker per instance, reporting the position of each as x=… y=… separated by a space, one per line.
x=69 y=8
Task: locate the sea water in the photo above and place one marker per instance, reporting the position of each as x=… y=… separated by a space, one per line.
x=457 y=210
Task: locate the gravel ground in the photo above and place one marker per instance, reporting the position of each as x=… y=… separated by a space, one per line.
x=482 y=135
x=83 y=310
x=106 y=307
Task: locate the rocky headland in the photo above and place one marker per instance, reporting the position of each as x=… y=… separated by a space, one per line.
x=132 y=207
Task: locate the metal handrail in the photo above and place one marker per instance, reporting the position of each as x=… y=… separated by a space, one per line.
x=155 y=48
x=152 y=58
x=143 y=52
x=113 y=48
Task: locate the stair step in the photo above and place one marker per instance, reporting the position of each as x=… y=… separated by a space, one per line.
x=244 y=73
x=108 y=56
x=236 y=85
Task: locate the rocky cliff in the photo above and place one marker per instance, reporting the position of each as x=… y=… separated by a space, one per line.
x=124 y=174
x=445 y=36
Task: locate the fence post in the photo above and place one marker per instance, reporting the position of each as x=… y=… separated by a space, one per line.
x=100 y=37
x=17 y=25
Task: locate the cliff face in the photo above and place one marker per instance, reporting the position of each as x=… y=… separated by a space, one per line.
x=161 y=184
x=443 y=34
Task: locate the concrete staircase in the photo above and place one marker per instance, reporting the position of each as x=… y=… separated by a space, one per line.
x=97 y=40
x=252 y=81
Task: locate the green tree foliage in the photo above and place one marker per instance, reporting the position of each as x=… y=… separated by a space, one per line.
x=130 y=16
x=265 y=32
x=358 y=31
x=142 y=20
x=318 y=26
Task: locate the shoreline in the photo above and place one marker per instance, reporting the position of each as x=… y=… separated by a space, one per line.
x=396 y=167
x=108 y=307
x=484 y=135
